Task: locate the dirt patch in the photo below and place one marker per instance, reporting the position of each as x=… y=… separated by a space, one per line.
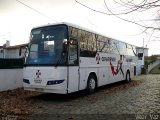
x=16 y=103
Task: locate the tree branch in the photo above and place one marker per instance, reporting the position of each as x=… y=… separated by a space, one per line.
x=117 y=15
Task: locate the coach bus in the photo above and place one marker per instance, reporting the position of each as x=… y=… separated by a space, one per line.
x=64 y=58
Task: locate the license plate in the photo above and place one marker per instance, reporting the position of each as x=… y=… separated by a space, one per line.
x=37 y=80
x=39 y=89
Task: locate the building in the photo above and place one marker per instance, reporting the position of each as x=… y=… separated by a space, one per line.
x=143 y=50
x=17 y=51
x=142 y=53
x=1 y=51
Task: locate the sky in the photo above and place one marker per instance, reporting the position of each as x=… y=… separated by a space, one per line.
x=18 y=17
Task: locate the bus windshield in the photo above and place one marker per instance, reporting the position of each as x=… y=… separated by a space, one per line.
x=48 y=46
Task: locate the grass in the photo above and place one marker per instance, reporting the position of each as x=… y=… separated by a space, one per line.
x=155 y=70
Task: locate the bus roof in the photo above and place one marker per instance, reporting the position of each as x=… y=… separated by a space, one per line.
x=82 y=28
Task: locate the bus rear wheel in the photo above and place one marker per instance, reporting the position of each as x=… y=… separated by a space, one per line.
x=91 y=84
x=128 y=78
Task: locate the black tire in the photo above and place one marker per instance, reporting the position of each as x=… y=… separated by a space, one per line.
x=91 y=84
x=128 y=78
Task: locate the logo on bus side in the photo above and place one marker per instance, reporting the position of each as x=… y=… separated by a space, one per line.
x=104 y=59
x=114 y=70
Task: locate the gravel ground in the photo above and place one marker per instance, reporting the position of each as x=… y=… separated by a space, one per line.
x=16 y=104
x=140 y=99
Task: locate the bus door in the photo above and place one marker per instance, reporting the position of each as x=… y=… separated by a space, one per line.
x=73 y=68
x=121 y=68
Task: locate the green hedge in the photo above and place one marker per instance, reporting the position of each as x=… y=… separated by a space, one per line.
x=11 y=63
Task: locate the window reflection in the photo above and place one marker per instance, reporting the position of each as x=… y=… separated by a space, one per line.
x=47 y=45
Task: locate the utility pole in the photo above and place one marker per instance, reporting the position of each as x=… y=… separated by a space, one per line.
x=143 y=42
x=143 y=46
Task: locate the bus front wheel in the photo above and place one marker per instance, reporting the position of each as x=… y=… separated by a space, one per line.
x=91 y=84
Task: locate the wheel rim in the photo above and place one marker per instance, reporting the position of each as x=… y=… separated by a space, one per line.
x=92 y=84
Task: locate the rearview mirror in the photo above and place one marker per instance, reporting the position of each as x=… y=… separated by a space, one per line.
x=73 y=41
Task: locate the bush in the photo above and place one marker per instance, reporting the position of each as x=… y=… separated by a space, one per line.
x=11 y=63
x=146 y=63
x=153 y=58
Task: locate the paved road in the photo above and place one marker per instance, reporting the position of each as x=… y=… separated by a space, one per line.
x=139 y=99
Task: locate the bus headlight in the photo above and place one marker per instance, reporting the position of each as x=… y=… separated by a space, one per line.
x=53 y=82
x=26 y=81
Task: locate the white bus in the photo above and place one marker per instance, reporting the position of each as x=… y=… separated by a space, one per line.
x=64 y=58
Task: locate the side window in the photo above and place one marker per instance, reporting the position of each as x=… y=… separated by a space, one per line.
x=73 y=32
x=131 y=50
x=134 y=50
x=123 y=48
x=73 y=52
x=88 y=46
x=104 y=44
x=101 y=43
x=115 y=47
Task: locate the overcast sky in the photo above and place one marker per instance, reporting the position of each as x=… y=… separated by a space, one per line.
x=16 y=20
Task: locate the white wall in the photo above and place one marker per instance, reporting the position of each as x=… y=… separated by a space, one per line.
x=139 y=66
x=14 y=53
x=1 y=55
x=10 y=79
x=140 y=63
x=11 y=53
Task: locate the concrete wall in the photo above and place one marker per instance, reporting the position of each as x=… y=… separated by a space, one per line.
x=139 y=69
x=10 y=79
x=152 y=65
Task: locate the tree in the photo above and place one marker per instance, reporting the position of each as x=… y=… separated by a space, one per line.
x=151 y=59
x=125 y=7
